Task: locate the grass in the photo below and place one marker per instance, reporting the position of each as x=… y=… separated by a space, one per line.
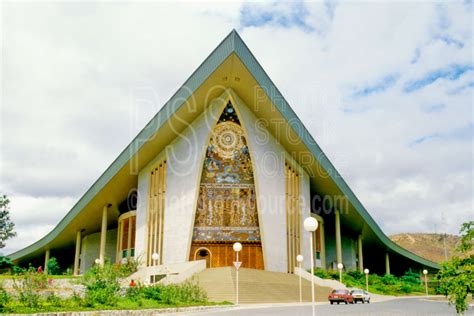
x=50 y=276
x=123 y=304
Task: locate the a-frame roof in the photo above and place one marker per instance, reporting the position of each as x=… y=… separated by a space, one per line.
x=233 y=65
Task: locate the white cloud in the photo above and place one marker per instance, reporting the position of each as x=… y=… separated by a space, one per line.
x=74 y=76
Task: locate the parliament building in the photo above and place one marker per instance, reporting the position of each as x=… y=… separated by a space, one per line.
x=225 y=160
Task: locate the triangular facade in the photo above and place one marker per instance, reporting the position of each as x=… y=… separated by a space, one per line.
x=221 y=163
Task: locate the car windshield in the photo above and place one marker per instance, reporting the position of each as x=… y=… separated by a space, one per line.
x=357 y=292
x=339 y=292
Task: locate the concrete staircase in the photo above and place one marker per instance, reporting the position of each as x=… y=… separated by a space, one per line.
x=256 y=286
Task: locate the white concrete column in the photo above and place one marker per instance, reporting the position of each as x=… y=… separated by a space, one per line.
x=103 y=235
x=361 y=257
x=338 y=237
x=387 y=263
x=78 y=253
x=323 y=245
x=46 y=259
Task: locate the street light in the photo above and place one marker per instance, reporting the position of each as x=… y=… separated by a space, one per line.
x=300 y=258
x=310 y=225
x=237 y=247
x=340 y=266
x=366 y=271
x=425 y=272
x=154 y=257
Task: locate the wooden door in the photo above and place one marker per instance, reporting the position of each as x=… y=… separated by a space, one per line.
x=223 y=255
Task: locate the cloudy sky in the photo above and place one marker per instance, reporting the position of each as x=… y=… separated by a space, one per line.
x=385 y=88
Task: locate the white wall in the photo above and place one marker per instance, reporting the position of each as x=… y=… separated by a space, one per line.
x=90 y=248
x=183 y=170
x=268 y=159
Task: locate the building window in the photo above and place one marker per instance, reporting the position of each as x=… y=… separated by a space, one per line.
x=126 y=235
x=156 y=213
x=293 y=216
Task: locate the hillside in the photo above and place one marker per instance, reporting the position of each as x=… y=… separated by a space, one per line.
x=429 y=246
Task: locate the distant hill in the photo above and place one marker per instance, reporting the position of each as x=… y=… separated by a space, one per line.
x=428 y=246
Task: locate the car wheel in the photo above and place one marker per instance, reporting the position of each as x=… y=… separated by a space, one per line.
x=354 y=302
x=345 y=302
x=332 y=302
x=338 y=303
x=363 y=302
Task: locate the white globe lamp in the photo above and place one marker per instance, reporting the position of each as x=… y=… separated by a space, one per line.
x=340 y=266
x=237 y=247
x=366 y=271
x=310 y=224
x=155 y=256
x=299 y=258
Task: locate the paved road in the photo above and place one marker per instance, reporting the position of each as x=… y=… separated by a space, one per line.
x=397 y=307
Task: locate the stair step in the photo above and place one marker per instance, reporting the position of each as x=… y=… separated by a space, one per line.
x=256 y=286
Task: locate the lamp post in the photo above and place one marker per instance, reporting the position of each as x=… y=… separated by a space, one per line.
x=237 y=247
x=310 y=225
x=425 y=272
x=366 y=271
x=300 y=258
x=340 y=266
x=154 y=257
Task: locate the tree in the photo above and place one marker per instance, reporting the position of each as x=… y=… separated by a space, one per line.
x=456 y=276
x=53 y=266
x=6 y=225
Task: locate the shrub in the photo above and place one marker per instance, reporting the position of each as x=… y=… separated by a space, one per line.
x=323 y=274
x=187 y=292
x=389 y=279
x=356 y=275
x=54 y=300
x=126 y=269
x=53 y=266
x=18 y=270
x=5 y=263
x=4 y=299
x=406 y=288
x=411 y=277
x=387 y=284
x=102 y=285
x=27 y=285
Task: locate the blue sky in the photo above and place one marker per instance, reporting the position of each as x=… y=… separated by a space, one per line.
x=385 y=88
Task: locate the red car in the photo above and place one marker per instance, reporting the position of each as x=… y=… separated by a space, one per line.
x=338 y=296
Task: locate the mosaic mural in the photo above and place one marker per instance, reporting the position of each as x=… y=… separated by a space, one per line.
x=226 y=208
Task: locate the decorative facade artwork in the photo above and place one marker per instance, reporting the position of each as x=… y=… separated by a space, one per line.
x=226 y=208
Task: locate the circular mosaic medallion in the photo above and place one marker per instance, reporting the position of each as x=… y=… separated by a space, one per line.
x=227 y=138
